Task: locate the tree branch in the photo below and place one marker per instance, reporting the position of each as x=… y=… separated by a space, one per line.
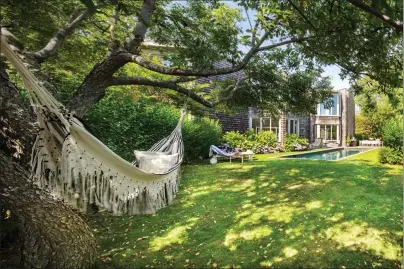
x=397 y=25
x=302 y=14
x=203 y=73
x=230 y=95
x=161 y=84
x=51 y=48
x=141 y=26
x=292 y=40
x=113 y=44
x=254 y=32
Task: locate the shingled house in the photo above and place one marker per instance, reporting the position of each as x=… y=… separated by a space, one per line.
x=333 y=125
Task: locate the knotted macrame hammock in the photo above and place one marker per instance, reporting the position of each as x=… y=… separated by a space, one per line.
x=78 y=168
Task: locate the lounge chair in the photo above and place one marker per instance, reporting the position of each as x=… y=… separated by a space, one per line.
x=215 y=152
x=318 y=143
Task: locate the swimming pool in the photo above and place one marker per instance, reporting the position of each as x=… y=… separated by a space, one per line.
x=328 y=155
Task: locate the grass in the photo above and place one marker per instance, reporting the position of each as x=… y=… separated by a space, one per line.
x=279 y=213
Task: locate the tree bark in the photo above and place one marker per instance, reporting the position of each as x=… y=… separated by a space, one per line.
x=52 y=235
x=95 y=84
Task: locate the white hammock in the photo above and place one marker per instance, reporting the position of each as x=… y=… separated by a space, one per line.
x=78 y=168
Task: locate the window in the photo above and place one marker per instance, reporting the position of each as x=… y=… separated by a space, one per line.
x=327 y=132
x=259 y=124
x=332 y=111
x=293 y=126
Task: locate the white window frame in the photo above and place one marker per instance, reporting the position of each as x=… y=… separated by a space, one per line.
x=338 y=107
x=260 y=128
x=318 y=134
x=296 y=126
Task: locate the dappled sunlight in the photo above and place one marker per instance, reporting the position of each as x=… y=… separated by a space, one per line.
x=336 y=217
x=274 y=213
x=254 y=215
x=355 y=235
x=176 y=235
x=295 y=232
x=316 y=183
x=292 y=172
x=289 y=252
x=234 y=238
x=314 y=205
x=297 y=186
x=244 y=185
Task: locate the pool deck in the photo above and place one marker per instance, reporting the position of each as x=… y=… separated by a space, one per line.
x=326 y=150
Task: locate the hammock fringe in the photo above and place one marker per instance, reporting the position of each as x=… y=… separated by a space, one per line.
x=75 y=166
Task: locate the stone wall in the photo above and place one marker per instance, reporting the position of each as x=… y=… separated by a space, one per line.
x=304 y=127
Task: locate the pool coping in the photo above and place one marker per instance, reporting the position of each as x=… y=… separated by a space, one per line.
x=331 y=149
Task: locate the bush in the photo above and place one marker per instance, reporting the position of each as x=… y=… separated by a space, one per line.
x=199 y=134
x=266 y=138
x=258 y=143
x=124 y=125
x=235 y=139
x=393 y=133
x=292 y=139
x=390 y=155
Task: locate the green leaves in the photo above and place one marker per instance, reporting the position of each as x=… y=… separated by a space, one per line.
x=125 y=123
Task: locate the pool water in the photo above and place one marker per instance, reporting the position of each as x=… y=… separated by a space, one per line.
x=329 y=155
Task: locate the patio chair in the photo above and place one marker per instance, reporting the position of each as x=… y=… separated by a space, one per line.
x=318 y=143
x=215 y=152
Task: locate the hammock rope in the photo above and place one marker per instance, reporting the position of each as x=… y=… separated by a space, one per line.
x=75 y=166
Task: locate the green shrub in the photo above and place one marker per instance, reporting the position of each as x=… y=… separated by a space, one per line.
x=235 y=139
x=199 y=134
x=359 y=137
x=266 y=138
x=124 y=125
x=393 y=133
x=292 y=139
x=390 y=155
x=250 y=140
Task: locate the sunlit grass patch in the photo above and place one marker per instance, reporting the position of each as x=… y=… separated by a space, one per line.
x=359 y=236
x=267 y=213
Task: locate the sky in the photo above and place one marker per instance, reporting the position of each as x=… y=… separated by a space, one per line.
x=332 y=70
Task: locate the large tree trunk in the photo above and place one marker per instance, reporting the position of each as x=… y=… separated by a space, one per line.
x=51 y=235
x=97 y=81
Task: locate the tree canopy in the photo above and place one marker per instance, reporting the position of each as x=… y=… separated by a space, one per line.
x=87 y=46
x=376 y=108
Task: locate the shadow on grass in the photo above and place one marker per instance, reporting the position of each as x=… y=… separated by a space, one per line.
x=277 y=213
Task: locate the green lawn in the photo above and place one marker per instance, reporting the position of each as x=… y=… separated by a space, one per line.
x=267 y=213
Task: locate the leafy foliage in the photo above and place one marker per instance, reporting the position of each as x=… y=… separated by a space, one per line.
x=199 y=134
x=124 y=124
x=393 y=133
x=276 y=81
x=292 y=140
x=376 y=108
x=203 y=32
x=266 y=138
x=390 y=155
x=234 y=138
x=250 y=140
x=392 y=152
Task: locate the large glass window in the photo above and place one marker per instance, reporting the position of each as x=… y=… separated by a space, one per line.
x=331 y=111
x=327 y=132
x=293 y=126
x=265 y=124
